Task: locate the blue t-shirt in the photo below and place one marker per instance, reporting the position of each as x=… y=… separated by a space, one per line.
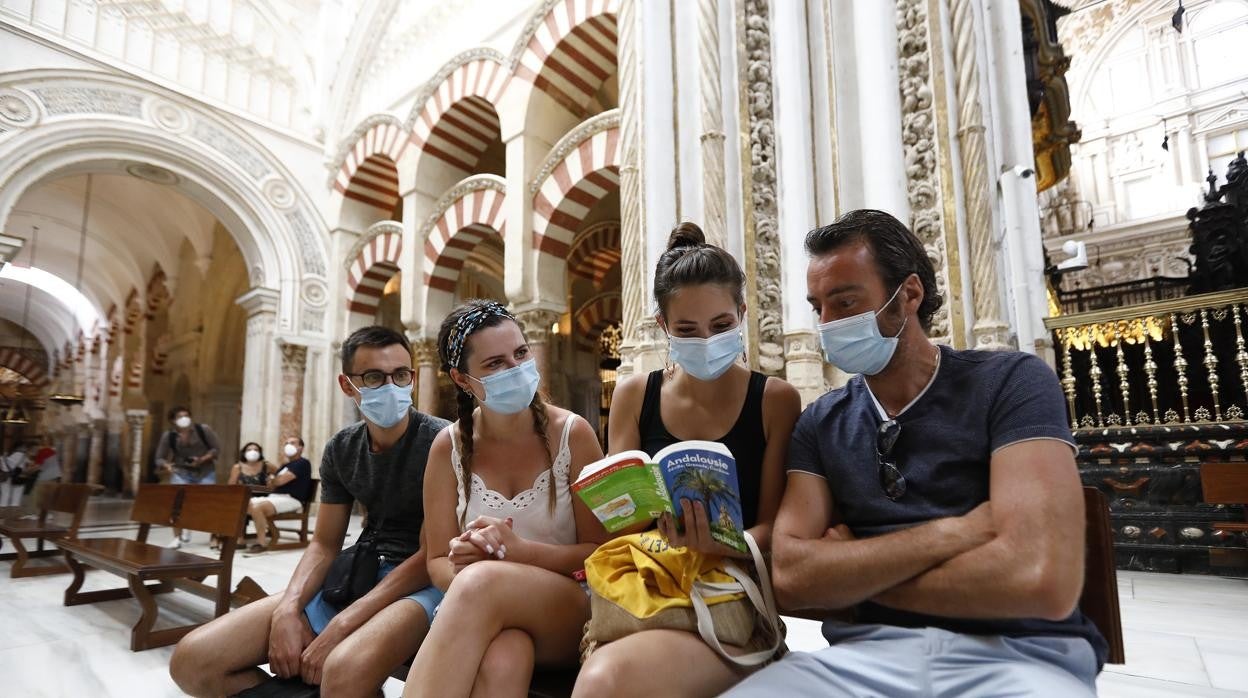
x=977 y=403
x=299 y=488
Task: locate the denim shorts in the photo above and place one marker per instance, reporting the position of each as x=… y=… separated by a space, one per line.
x=319 y=611
x=209 y=477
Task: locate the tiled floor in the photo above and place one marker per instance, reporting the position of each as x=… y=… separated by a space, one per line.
x=1185 y=635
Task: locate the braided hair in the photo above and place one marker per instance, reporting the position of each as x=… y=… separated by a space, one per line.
x=453 y=337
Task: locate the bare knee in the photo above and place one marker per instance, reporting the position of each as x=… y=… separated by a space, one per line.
x=351 y=671
x=192 y=667
x=606 y=673
x=509 y=656
x=475 y=591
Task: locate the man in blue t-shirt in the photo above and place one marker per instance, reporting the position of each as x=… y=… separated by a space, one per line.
x=934 y=497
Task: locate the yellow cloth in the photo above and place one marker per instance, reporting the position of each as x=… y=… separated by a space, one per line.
x=644 y=575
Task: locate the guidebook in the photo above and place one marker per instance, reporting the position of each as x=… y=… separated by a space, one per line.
x=632 y=487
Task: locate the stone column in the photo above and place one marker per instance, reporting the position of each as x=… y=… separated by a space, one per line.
x=713 y=172
x=261 y=405
x=136 y=420
x=803 y=364
x=425 y=354
x=95 y=451
x=294 y=365
x=632 y=211
x=989 y=330
x=536 y=323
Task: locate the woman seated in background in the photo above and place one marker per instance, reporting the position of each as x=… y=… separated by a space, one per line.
x=292 y=488
x=252 y=470
x=504 y=533
x=706 y=393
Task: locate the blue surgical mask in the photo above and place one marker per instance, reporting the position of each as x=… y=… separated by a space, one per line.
x=385 y=405
x=855 y=345
x=706 y=359
x=510 y=391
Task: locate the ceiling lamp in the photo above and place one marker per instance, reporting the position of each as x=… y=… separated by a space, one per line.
x=66 y=399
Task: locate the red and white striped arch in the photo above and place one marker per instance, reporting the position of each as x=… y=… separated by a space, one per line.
x=595 y=251
x=458 y=121
x=587 y=174
x=468 y=219
x=24 y=366
x=594 y=316
x=368 y=173
x=376 y=263
x=572 y=52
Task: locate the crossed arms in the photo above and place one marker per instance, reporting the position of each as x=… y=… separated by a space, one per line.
x=1019 y=555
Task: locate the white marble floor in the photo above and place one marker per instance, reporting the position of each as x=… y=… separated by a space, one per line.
x=1185 y=635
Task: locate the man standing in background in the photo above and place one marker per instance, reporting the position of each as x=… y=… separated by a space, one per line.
x=188 y=451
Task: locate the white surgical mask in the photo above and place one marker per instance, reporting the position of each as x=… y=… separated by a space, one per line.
x=855 y=345
x=511 y=391
x=252 y=455
x=182 y=422
x=709 y=358
x=290 y=450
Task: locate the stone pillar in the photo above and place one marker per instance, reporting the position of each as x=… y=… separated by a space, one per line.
x=989 y=330
x=537 y=323
x=95 y=451
x=803 y=364
x=261 y=406
x=632 y=212
x=1024 y=250
x=294 y=365
x=714 y=217
x=136 y=420
x=425 y=354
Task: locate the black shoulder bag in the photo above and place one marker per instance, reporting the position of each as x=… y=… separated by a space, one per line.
x=353 y=573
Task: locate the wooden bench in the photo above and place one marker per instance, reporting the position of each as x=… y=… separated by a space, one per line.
x=1226 y=484
x=1099 y=600
x=301 y=516
x=50 y=497
x=152 y=569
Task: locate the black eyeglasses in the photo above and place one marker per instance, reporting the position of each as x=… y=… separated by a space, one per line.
x=401 y=377
x=891 y=480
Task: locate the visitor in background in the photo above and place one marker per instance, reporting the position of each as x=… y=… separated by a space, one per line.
x=188 y=451
x=251 y=470
x=292 y=488
x=13 y=477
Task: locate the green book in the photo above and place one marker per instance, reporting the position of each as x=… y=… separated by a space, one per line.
x=633 y=487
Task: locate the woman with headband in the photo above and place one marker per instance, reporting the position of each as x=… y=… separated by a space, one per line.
x=503 y=531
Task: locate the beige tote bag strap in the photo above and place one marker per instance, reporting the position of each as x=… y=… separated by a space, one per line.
x=763 y=602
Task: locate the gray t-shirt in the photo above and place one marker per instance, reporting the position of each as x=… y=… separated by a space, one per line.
x=977 y=403
x=178 y=450
x=387 y=488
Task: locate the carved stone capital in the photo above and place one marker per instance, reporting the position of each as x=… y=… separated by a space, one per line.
x=294 y=358
x=425 y=352
x=537 y=324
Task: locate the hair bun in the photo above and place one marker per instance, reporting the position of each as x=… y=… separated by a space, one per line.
x=686 y=234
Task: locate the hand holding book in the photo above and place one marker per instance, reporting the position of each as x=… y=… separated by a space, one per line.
x=693 y=531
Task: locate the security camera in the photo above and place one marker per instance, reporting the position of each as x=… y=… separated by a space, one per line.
x=1078 y=252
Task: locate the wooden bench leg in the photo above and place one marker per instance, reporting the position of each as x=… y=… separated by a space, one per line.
x=75 y=597
x=142 y=637
x=22 y=557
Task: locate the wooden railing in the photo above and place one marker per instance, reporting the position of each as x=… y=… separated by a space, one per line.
x=1171 y=362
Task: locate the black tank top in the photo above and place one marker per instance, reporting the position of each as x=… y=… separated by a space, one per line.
x=746 y=439
x=260 y=479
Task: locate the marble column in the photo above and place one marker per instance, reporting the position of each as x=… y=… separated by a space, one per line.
x=425 y=355
x=136 y=420
x=95 y=451
x=261 y=400
x=989 y=330
x=1024 y=250
x=632 y=212
x=294 y=365
x=714 y=203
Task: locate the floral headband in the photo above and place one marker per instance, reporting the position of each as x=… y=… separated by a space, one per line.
x=466 y=325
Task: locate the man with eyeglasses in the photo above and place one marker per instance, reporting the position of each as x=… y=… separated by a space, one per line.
x=348 y=647
x=934 y=500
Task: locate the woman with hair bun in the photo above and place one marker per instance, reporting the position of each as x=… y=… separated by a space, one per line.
x=706 y=393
